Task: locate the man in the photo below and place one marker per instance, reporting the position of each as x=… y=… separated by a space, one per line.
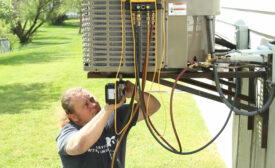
x=88 y=138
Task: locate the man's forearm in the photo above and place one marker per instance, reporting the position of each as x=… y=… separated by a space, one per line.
x=151 y=103
x=90 y=133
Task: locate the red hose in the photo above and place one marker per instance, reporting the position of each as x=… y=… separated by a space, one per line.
x=143 y=86
x=171 y=105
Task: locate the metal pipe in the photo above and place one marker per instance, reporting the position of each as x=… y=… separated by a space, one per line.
x=216 y=77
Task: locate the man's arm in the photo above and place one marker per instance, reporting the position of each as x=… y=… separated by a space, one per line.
x=153 y=105
x=89 y=134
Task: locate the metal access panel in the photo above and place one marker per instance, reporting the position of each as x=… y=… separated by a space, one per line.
x=186 y=27
x=185 y=35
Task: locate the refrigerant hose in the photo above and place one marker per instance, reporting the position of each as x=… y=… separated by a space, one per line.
x=138 y=60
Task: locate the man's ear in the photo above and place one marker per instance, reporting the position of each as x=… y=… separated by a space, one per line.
x=73 y=117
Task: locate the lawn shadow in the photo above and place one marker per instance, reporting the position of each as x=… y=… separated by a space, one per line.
x=43 y=43
x=40 y=38
x=29 y=57
x=17 y=98
x=71 y=25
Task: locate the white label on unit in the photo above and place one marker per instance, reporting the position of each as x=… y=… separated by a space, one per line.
x=177 y=8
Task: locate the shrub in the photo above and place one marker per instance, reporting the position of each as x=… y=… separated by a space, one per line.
x=4 y=29
x=58 y=20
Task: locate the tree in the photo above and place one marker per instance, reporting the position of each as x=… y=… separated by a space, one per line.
x=57 y=17
x=30 y=15
x=5 y=11
x=5 y=17
x=75 y=6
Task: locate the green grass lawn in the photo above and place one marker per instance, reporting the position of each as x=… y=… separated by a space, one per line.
x=32 y=79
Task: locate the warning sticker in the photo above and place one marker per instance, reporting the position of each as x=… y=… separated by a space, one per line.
x=177 y=9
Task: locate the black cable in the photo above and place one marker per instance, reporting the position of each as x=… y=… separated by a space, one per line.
x=138 y=60
x=129 y=112
x=236 y=110
x=225 y=43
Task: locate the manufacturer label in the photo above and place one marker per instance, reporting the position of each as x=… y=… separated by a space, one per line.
x=176 y=9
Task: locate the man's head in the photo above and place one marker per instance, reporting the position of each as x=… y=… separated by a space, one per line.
x=79 y=105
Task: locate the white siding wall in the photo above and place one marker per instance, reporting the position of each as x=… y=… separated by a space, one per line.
x=259 y=16
x=261 y=20
x=270 y=153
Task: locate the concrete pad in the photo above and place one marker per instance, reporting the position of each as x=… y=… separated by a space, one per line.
x=215 y=114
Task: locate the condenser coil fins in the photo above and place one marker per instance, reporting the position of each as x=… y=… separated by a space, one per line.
x=102 y=38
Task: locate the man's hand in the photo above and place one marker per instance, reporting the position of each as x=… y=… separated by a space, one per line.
x=111 y=107
x=129 y=89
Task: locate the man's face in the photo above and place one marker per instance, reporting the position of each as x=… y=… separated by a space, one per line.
x=85 y=106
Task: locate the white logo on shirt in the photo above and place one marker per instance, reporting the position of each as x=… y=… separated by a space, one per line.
x=100 y=149
x=110 y=141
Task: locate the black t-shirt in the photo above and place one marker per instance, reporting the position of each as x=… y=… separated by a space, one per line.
x=100 y=154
